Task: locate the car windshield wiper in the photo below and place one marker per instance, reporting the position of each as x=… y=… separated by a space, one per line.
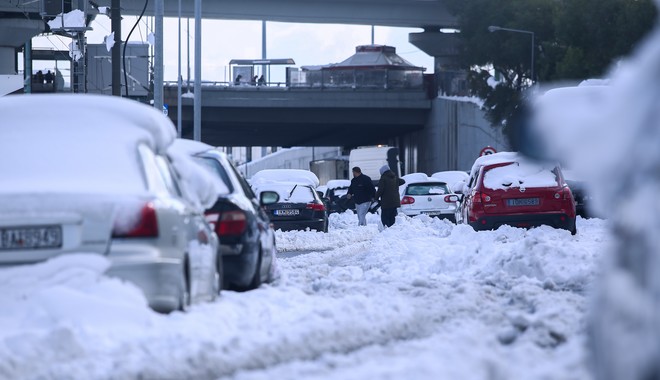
x=291 y=193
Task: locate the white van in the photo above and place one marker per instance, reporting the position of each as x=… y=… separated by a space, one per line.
x=371 y=159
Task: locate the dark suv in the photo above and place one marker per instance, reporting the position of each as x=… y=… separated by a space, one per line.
x=247 y=239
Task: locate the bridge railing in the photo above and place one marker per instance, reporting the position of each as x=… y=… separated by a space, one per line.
x=376 y=79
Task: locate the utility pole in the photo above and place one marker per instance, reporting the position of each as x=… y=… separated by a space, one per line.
x=197 y=105
x=115 y=19
x=263 y=48
x=159 y=13
x=179 y=79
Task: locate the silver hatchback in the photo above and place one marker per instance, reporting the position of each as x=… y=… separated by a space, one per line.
x=89 y=174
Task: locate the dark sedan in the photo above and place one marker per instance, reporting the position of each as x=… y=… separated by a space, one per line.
x=247 y=239
x=298 y=208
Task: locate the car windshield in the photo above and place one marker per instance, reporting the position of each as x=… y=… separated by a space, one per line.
x=291 y=193
x=436 y=188
x=214 y=167
x=520 y=174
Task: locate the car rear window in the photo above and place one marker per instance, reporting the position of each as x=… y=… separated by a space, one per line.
x=520 y=174
x=427 y=189
x=214 y=167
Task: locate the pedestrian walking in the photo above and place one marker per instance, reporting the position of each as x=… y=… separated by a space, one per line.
x=388 y=193
x=261 y=81
x=237 y=81
x=362 y=191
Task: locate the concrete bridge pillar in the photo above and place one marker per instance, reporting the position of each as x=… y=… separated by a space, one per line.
x=444 y=48
x=14 y=33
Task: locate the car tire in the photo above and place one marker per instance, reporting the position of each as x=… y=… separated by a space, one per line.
x=256 y=279
x=184 y=295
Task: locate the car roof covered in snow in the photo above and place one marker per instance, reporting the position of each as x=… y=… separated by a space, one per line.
x=451 y=177
x=286 y=175
x=74 y=111
x=337 y=183
x=191 y=147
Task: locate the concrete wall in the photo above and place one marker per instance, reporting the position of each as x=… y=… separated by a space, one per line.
x=454 y=136
x=293 y=158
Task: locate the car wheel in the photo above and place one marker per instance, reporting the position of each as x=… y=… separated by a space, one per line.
x=256 y=280
x=184 y=297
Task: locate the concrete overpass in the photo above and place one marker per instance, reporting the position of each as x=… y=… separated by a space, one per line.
x=262 y=116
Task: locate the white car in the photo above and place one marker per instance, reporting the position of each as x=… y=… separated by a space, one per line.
x=426 y=195
x=89 y=174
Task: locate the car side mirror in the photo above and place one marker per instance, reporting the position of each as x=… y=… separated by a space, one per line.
x=268 y=198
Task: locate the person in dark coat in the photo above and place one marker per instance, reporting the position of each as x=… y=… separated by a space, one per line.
x=388 y=194
x=362 y=191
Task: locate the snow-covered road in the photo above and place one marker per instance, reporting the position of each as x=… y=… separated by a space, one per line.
x=422 y=300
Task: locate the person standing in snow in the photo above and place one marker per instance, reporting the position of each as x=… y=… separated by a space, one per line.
x=362 y=191
x=388 y=194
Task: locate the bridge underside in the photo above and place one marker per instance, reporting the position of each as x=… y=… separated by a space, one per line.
x=300 y=127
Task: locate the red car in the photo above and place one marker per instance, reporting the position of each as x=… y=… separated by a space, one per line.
x=505 y=188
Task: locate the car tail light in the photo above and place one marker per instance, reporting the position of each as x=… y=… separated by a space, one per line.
x=316 y=206
x=145 y=226
x=407 y=200
x=228 y=223
x=451 y=198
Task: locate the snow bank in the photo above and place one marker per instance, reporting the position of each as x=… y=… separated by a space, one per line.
x=424 y=299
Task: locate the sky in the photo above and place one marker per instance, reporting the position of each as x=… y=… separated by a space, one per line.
x=223 y=40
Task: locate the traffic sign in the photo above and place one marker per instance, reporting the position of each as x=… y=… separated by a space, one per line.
x=487 y=151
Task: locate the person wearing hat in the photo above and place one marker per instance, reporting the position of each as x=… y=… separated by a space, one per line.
x=362 y=191
x=388 y=193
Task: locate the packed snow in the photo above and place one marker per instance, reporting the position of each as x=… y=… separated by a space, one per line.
x=424 y=299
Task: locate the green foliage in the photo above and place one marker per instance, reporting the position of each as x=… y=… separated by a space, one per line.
x=574 y=40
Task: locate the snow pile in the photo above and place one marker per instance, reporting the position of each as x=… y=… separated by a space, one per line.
x=338 y=183
x=609 y=135
x=424 y=299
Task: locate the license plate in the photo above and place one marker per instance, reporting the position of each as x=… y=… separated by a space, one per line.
x=433 y=213
x=30 y=237
x=286 y=212
x=523 y=202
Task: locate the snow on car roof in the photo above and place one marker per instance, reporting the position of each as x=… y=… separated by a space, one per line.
x=191 y=147
x=415 y=177
x=286 y=175
x=83 y=111
x=77 y=143
x=337 y=183
x=522 y=173
x=451 y=177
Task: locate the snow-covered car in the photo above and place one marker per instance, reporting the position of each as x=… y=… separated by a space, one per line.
x=422 y=194
x=335 y=196
x=453 y=178
x=90 y=174
x=297 y=206
x=506 y=188
x=247 y=239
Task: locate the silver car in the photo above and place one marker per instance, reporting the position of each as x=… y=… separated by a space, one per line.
x=88 y=174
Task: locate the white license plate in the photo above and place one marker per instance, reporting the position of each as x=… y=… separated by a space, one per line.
x=286 y=212
x=30 y=237
x=523 y=202
x=432 y=213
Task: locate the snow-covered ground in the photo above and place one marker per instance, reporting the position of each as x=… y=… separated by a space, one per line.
x=424 y=299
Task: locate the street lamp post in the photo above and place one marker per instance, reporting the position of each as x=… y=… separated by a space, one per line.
x=498 y=28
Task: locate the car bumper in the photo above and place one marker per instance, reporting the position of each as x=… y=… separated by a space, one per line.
x=159 y=278
x=316 y=224
x=444 y=214
x=492 y=222
x=239 y=263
